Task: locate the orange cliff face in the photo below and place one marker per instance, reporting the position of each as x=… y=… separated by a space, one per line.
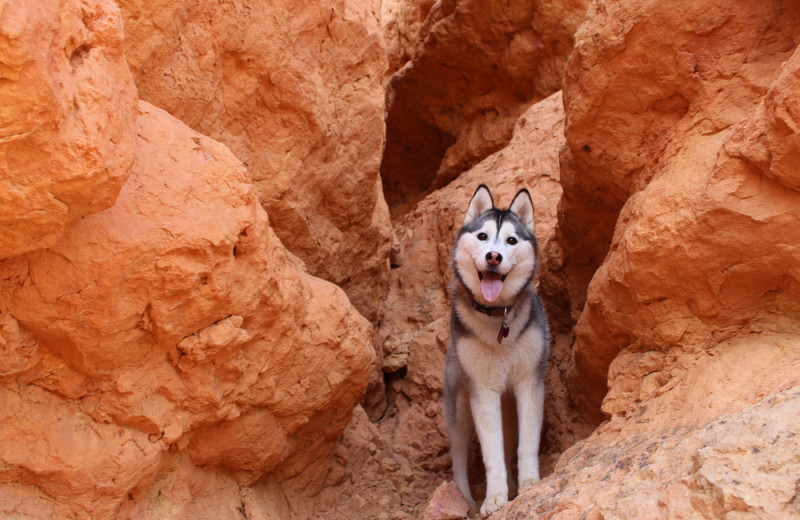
x=677 y=230
x=295 y=90
x=195 y=292
x=62 y=157
x=170 y=325
x=168 y=331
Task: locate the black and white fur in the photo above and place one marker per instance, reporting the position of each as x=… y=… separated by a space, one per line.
x=483 y=365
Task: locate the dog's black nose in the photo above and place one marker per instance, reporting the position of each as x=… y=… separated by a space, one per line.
x=494 y=258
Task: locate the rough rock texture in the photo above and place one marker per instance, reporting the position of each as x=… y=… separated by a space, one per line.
x=690 y=435
x=702 y=231
x=60 y=157
x=164 y=356
x=393 y=466
x=477 y=67
x=402 y=21
x=678 y=235
x=172 y=322
x=446 y=503
x=295 y=89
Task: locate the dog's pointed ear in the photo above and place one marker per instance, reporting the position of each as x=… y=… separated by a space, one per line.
x=522 y=206
x=481 y=202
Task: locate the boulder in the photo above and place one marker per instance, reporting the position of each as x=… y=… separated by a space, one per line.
x=295 y=90
x=690 y=435
x=673 y=229
x=172 y=322
x=446 y=503
x=60 y=157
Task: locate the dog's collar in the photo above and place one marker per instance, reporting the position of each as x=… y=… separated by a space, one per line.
x=491 y=311
x=495 y=311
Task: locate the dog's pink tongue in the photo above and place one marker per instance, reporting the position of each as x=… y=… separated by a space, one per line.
x=491 y=285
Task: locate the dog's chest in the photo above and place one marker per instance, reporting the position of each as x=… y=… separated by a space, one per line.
x=500 y=366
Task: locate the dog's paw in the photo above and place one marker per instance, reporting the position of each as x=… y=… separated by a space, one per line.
x=492 y=504
x=528 y=474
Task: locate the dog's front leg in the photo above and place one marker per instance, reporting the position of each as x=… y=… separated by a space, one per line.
x=486 y=413
x=530 y=403
x=460 y=429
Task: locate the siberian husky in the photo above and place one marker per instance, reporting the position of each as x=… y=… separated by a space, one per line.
x=499 y=343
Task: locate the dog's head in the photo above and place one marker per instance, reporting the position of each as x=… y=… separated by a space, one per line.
x=495 y=251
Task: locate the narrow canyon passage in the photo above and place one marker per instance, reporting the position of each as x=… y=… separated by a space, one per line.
x=225 y=248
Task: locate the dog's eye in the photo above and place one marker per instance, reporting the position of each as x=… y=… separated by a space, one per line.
x=482 y=236
x=511 y=241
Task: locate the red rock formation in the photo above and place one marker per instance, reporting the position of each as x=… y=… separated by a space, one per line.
x=296 y=91
x=677 y=233
x=706 y=434
x=702 y=239
x=446 y=503
x=60 y=157
x=171 y=322
x=396 y=464
x=162 y=354
x=477 y=67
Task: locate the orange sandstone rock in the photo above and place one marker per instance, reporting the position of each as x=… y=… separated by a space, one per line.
x=477 y=67
x=172 y=321
x=705 y=434
x=396 y=464
x=446 y=503
x=677 y=230
x=685 y=230
x=60 y=156
x=296 y=91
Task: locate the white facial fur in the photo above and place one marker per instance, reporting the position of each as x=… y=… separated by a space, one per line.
x=518 y=260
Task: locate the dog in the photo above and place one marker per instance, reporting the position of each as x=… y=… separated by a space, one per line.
x=499 y=344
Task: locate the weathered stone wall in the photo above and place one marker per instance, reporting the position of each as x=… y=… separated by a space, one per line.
x=171 y=344
x=169 y=324
x=677 y=231
x=295 y=90
x=476 y=67
x=673 y=211
x=61 y=158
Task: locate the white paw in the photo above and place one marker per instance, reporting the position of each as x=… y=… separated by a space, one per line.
x=528 y=482
x=492 y=504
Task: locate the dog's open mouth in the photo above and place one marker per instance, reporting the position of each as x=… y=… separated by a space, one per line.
x=491 y=284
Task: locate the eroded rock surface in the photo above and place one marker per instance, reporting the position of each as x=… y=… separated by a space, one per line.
x=295 y=90
x=171 y=322
x=690 y=435
x=476 y=68
x=402 y=21
x=60 y=157
x=674 y=229
x=678 y=240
